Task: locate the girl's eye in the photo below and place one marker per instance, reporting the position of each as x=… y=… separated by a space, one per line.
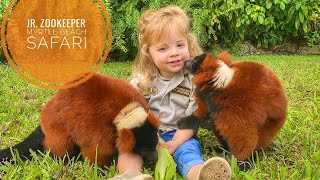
x=162 y=49
x=180 y=45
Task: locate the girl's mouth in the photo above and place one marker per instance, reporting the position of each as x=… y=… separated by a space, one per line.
x=175 y=62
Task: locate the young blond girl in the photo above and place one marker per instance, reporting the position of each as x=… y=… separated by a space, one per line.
x=165 y=42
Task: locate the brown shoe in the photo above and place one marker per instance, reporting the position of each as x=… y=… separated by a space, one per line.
x=132 y=175
x=215 y=168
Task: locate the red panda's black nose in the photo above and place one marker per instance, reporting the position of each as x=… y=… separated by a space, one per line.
x=188 y=64
x=187 y=61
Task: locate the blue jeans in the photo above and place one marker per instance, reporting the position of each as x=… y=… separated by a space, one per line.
x=187 y=155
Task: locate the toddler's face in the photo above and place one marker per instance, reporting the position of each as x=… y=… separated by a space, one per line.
x=170 y=54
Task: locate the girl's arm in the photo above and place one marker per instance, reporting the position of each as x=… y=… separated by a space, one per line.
x=181 y=136
x=186 y=128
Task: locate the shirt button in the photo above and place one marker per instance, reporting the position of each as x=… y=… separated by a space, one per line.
x=163 y=115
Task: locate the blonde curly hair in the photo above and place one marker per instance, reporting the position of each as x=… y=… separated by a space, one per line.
x=155 y=26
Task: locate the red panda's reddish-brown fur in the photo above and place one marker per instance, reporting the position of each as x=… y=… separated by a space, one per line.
x=70 y=118
x=99 y=116
x=250 y=109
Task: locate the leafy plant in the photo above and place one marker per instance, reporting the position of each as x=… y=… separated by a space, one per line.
x=313 y=38
x=293 y=154
x=265 y=23
x=165 y=166
x=3 y=6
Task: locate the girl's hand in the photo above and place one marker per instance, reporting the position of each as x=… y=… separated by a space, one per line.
x=170 y=145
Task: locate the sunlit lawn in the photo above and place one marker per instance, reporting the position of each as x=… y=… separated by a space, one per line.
x=294 y=153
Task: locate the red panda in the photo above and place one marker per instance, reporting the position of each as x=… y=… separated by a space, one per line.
x=244 y=101
x=100 y=116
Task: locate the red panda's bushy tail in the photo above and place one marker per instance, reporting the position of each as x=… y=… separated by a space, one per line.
x=33 y=142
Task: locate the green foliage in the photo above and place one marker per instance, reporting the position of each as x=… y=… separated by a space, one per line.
x=3 y=5
x=225 y=22
x=313 y=38
x=165 y=166
x=293 y=154
x=265 y=23
x=124 y=17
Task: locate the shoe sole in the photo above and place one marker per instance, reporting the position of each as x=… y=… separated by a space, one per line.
x=215 y=168
x=132 y=175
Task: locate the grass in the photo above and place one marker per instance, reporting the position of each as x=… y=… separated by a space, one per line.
x=294 y=153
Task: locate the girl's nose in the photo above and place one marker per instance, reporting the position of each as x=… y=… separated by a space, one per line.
x=174 y=52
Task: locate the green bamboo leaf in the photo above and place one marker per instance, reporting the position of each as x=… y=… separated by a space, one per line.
x=282 y=5
x=165 y=166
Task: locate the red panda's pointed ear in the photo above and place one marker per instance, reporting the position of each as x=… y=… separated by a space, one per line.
x=125 y=141
x=225 y=57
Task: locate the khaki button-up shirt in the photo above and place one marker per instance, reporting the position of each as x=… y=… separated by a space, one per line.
x=170 y=99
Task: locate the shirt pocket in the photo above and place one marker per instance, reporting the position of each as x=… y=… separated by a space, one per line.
x=182 y=102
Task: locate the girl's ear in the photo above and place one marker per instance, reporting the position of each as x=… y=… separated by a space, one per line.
x=125 y=141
